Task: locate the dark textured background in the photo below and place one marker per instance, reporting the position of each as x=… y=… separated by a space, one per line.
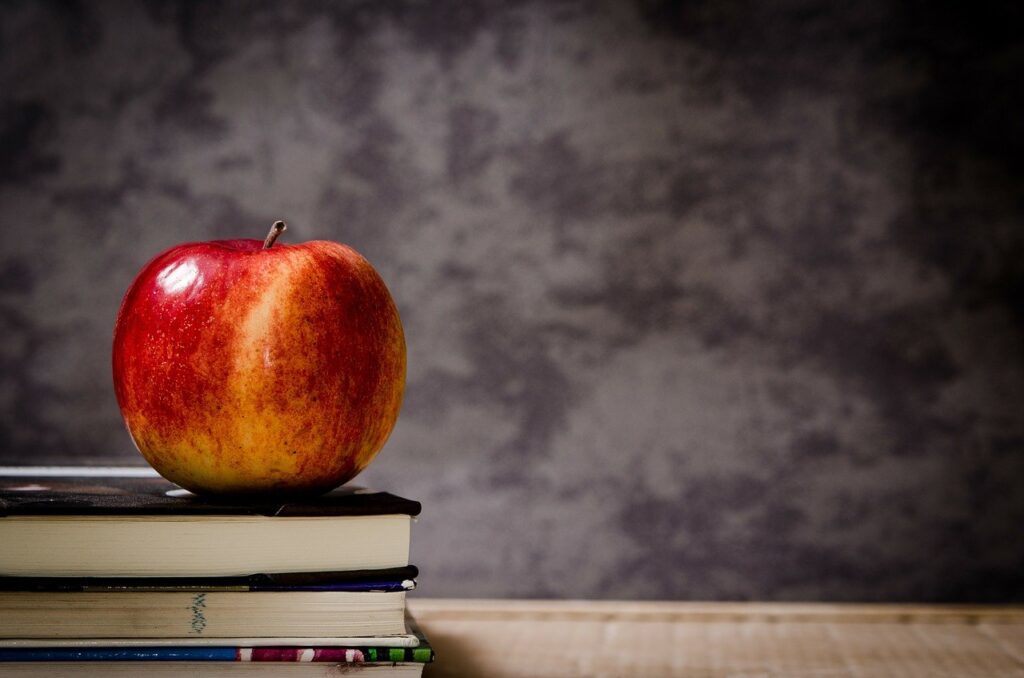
x=718 y=300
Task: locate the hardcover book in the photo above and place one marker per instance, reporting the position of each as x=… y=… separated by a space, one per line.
x=372 y=656
x=367 y=650
x=133 y=669
x=214 y=614
x=128 y=522
x=393 y=579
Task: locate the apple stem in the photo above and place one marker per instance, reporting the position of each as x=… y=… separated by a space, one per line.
x=276 y=230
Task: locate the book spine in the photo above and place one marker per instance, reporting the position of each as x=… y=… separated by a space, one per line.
x=301 y=654
x=421 y=655
x=115 y=654
x=220 y=654
x=348 y=655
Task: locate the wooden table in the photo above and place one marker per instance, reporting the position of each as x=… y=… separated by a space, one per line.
x=734 y=640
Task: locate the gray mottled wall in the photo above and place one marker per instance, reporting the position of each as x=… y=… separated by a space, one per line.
x=718 y=300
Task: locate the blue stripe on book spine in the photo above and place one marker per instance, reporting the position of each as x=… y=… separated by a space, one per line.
x=118 y=654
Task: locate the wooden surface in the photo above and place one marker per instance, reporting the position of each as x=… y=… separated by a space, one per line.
x=712 y=640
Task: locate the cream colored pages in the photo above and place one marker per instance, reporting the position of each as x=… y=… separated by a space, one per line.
x=207 y=546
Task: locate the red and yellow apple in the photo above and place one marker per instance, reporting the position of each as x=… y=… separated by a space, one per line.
x=245 y=367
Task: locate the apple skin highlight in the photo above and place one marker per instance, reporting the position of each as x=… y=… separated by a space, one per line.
x=242 y=368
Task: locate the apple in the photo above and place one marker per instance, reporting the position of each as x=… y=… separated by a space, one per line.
x=242 y=367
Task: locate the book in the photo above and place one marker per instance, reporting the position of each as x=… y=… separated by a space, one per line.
x=130 y=522
x=393 y=579
x=348 y=655
x=404 y=640
x=213 y=614
x=131 y=669
x=368 y=651
x=370 y=656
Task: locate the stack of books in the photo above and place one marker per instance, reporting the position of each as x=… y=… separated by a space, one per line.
x=115 y=571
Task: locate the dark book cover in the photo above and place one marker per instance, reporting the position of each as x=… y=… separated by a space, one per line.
x=41 y=491
x=392 y=579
